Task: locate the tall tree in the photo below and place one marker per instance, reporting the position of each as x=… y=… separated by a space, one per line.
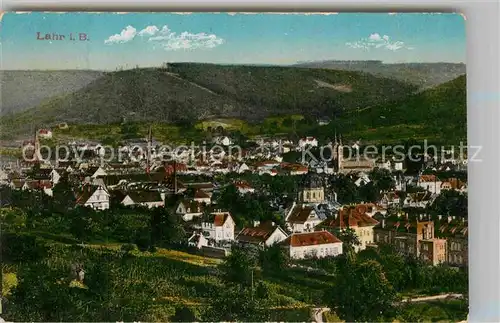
x=363 y=293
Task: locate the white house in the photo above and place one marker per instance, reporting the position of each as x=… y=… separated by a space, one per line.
x=189 y=209
x=148 y=199
x=219 y=226
x=308 y=141
x=362 y=180
x=312 y=244
x=430 y=183
x=95 y=197
x=97 y=172
x=390 y=199
x=45 y=133
x=302 y=218
x=201 y=196
x=265 y=234
x=419 y=199
x=243 y=168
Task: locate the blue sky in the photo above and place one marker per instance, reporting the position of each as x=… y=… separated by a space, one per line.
x=148 y=39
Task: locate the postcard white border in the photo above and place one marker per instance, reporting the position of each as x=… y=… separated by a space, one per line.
x=483 y=70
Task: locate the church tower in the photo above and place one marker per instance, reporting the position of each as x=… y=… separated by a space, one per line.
x=312 y=189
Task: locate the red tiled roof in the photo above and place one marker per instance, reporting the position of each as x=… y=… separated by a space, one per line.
x=311 y=238
x=220 y=218
x=351 y=217
x=257 y=234
x=428 y=178
x=453 y=183
x=39 y=184
x=242 y=184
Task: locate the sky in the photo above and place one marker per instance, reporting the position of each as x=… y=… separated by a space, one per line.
x=115 y=40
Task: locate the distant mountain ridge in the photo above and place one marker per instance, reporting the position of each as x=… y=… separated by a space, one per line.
x=422 y=75
x=186 y=92
x=21 y=90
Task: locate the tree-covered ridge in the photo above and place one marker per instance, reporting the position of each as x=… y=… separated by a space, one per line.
x=190 y=92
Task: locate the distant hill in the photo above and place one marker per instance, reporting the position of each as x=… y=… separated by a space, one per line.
x=186 y=92
x=21 y=90
x=422 y=75
x=439 y=113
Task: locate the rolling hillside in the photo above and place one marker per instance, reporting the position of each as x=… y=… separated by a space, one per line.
x=439 y=113
x=422 y=75
x=21 y=90
x=187 y=92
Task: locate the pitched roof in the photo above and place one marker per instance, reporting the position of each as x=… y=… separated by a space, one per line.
x=38 y=184
x=85 y=192
x=351 y=217
x=454 y=183
x=300 y=213
x=217 y=218
x=145 y=196
x=311 y=238
x=258 y=234
x=428 y=178
x=199 y=194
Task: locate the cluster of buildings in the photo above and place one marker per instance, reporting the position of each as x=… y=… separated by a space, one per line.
x=311 y=224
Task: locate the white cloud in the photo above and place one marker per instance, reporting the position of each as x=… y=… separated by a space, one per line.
x=126 y=35
x=170 y=40
x=375 y=37
x=148 y=31
x=377 y=41
x=167 y=39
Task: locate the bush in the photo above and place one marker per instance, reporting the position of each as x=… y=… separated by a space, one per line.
x=128 y=248
x=22 y=247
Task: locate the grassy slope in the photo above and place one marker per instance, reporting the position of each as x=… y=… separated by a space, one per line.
x=188 y=92
x=191 y=279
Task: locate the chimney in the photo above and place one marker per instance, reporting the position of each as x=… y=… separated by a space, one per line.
x=449 y=219
x=440 y=217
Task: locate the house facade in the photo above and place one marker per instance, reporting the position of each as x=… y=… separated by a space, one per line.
x=219 y=226
x=430 y=183
x=94 y=197
x=189 y=209
x=356 y=219
x=317 y=244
